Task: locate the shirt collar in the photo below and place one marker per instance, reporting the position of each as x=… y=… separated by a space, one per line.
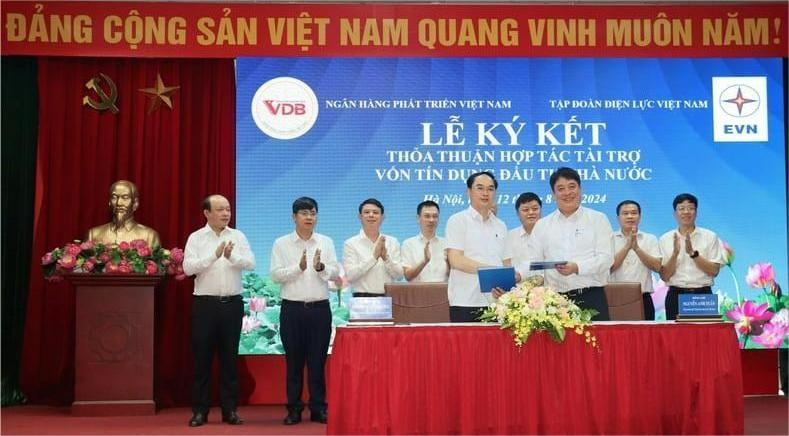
x=575 y=216
x=208 y=229
x=476 y=216
x=424 y=239
x=364 y=235
x=619 y=233
x=296 y=238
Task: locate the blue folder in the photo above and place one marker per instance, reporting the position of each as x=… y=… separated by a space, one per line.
x=496 y=277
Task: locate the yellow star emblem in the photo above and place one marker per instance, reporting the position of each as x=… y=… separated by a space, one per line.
x=159 y=94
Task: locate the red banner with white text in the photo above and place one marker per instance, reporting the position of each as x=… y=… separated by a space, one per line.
x=174 y=29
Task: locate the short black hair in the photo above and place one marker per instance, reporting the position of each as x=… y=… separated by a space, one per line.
x=565 y=173
x=471 y=178
x=426 y=203
x=685 y=197
x=374 y=202
x=625 y=203
x=525 y=198
x=304 y=203
x=207 y=202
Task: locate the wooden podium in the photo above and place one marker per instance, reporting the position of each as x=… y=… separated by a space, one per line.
x=113 y=356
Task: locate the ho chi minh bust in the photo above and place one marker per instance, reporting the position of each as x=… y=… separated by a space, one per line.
x=123 y=203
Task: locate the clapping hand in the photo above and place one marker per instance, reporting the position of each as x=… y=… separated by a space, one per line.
x=229 y=249
x=676 y=244
x=220 y=249
x=316 y=260
x=303 y=261
x=688 y=245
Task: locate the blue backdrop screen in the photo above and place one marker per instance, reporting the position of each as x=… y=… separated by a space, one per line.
x=406 y=130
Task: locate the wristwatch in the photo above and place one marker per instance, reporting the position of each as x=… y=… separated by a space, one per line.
x=695 y=254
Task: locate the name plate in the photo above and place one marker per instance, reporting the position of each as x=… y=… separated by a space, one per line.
x=698 y=305
x=371 y=308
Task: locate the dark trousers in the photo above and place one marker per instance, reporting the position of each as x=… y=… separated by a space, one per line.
x=216 y=326
x=649 y=307
x=305 y=329
x=592 y=297
x=465 y=314
x=672 y=298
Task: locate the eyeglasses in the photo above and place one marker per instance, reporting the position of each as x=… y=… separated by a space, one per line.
x=686 y=209
x=307 y=213
x=482 y=188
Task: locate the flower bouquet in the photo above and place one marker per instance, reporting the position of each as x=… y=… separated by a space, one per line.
x=531 y=307
x=134 y=257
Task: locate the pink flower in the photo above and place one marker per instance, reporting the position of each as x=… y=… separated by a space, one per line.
x=88 y=265
x=760 y=275
x=772 y=335
x=748 y=316
x=87 y=245
x=781 y=318
x=47 y=259
x=124 y=246
x=138 y=244
x=151 y=267
x=728 y=253
x=144 y=251
x=249 y=323
x=177 y=255
x=72 y=249
x=124 y=267
x=111 y=268
x=257 y=304
x=104 y=257
x=67 y=261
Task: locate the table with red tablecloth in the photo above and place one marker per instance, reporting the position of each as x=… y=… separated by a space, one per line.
x=643 y=378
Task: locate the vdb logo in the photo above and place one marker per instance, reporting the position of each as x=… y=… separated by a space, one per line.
x=739 y=111
x=284 y=108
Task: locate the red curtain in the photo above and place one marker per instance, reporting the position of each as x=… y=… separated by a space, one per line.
x=175 y=156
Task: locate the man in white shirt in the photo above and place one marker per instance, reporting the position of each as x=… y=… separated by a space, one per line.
x=475 y=238
x=303 y=262
x=371 y=258
x=528 y=206
x=692 y=256
x=424 y=255
x=636 y=254
x=216 y=254
x=581 y=237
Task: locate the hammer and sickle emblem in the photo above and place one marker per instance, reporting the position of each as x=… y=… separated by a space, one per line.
x=105 y=101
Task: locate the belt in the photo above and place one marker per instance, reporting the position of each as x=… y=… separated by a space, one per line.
x=219 y=298
x=690 y=290
x=580 y=291
x=306 y=304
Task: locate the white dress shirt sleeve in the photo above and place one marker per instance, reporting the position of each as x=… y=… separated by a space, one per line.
x=393 y=265
x=196 y=262
x=408 y=253
x=281 y=270
x=242 y=256
x=331 y=270
x=354 y=263
x=714 y=252
x=603 y=257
